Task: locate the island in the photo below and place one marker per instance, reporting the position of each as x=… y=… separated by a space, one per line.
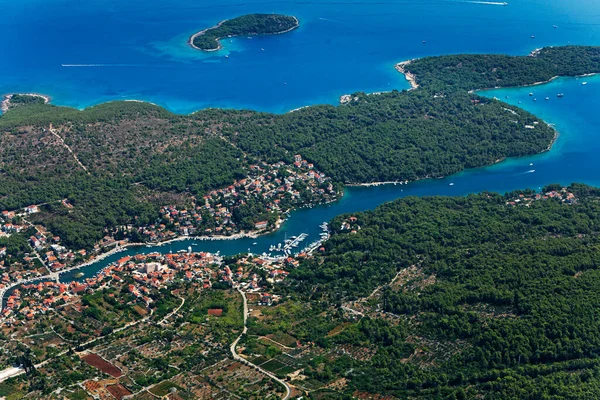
x=245 y=25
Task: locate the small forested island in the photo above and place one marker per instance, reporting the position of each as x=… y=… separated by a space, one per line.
x=246 y=25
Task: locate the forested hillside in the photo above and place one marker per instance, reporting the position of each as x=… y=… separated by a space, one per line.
x=485 y=71
x=483 y=295
x=139 y=155
x=396 y=136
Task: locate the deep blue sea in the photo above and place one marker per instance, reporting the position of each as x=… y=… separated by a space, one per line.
x=84 y=53
x=138 y=48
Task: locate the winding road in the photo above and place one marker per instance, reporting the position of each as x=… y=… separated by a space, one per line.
x=236 y=356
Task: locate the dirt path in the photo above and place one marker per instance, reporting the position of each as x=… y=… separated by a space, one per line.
x=53 y=131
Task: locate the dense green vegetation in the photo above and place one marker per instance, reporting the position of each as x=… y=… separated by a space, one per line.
x=479 y=71
x=505 y=297
x=17 y=100
x=246 y=25
x=395 y=136
x=139 y=156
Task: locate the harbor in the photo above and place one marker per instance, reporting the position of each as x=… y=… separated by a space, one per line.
x=502 y=177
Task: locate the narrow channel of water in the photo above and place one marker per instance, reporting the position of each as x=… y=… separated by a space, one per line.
x=573 y=158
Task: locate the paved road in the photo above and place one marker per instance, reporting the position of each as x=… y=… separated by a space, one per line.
x=164 y=320
x=237 y=357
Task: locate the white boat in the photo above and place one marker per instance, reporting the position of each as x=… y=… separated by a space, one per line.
x=560 y=95
x=547 y=98
x=584 y=83
x=531 y=93
x=254 y=244
x=451 y=184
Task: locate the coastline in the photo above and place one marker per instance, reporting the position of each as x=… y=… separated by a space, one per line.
x=535 y=83
x=202 y=32
x=400 y=67
x=218 y=39
x=499 y=160
x=5 y=104
x=120 y=248
x=411 y=78
x=369 y=184
x=310 y=105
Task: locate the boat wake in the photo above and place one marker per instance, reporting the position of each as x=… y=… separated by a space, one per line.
x=331 y=20
x=98 y=65
x=489 y=3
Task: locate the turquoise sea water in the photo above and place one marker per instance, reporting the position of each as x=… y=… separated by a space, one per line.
x=137 y=50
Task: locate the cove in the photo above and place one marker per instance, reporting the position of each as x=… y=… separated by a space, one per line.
x=573 y=158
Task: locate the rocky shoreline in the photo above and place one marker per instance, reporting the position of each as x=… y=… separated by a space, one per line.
x=412 y=80
x=5 y=104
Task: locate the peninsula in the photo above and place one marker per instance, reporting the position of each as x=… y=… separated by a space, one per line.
x=246 y=25
x=11 y=101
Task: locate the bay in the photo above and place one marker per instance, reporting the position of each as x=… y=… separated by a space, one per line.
x=574 y=157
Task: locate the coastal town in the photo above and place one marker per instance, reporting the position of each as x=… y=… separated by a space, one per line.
x=49 y=320
x=139 y=289
x=144 y=275
x=560 y=193
x=32 y=280
x=249 y=207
